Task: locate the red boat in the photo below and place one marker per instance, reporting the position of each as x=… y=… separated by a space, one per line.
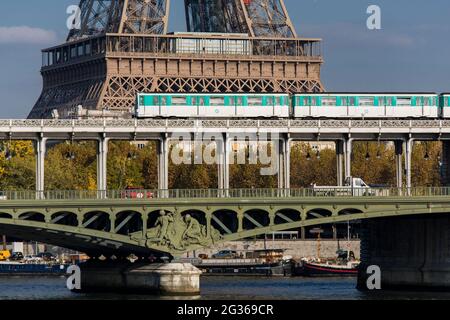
x=311 y=269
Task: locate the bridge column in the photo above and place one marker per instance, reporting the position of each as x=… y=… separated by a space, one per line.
x=102 y=166
x=144 y=224
x=348 y=157
x=223 y=163
x=399 y=162
x=412 y=252
x=112 y=222
x=40 y=150
x=287 y=163
x=163 y=164
x=240 y=217
x=284 y=162
x=409 y=144
x=208 y=224
x=340 y=155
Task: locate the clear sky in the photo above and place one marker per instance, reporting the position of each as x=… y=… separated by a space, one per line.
x=410 y=53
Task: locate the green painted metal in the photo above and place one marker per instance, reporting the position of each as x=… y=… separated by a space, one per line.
x=175 y=222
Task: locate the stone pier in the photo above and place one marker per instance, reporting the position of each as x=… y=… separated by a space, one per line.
x=412 y=252
x=159 y=278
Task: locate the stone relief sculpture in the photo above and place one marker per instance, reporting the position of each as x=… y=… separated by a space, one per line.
x=174 y=232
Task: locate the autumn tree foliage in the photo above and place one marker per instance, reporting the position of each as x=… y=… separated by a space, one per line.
x=73 y=166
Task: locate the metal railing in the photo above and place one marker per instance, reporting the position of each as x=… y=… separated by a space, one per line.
x=130 y=195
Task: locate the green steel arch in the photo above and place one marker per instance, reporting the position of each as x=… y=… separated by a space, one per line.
x=175 y=226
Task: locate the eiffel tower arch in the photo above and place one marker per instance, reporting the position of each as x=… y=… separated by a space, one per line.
x=122 y=48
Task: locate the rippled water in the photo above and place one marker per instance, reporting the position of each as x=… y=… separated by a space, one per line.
x=218 y=288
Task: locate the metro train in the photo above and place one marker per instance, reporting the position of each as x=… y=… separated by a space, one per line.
x=304 y=105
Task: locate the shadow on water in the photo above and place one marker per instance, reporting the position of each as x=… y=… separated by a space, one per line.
x=218 y=288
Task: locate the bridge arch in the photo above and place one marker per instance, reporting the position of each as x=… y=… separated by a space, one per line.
x=318 y=213
x=255 y=218
x=5 y=215
x=349 y=211
x=97 y=220
x=32 y=216
x=127 y=222
x=65 y=218
x=287 y=215
x=225 y=221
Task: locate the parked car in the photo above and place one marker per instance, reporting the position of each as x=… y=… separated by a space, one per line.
x=46 y=256
x=136 y=193
x=225 y=254
x=16 y=256
x=32 y=259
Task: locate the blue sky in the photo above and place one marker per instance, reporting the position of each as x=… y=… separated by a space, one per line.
x=410 y=53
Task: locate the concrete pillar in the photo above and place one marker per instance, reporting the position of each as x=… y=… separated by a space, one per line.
x=348 y=157
x=167 y=279
x=412 y=252
x=340 y=155
x=223 y=157
x=220 y=151
x=399 y=162
x=303 y=233
x=226 y=161
x=40 y=150
x=279 y=145
x=409 y=144
x=287 y=164
x=102 y=166
x=163 y=164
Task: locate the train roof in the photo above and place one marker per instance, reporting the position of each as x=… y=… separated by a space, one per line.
x=214 y=93
x=368 y=93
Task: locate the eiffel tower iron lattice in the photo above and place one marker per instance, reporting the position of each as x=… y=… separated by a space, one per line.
x=258 y=18
x=122 y=48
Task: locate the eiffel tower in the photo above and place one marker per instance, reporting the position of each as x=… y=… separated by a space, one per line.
x=121 y=48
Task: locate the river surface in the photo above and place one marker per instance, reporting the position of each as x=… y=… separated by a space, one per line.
x=215 y=288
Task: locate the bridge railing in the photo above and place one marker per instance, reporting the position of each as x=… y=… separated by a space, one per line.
x=318 y=192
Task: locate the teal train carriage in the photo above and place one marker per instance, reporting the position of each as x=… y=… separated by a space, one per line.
x=150 y=105
x=366 y=105
x=444 y=103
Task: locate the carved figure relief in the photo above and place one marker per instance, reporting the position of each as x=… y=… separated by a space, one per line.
x=178 y=233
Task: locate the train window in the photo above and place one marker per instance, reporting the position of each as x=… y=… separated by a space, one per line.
x=156 y=101
x=329 y=101
x=255 y=101
x=239 y=101
x=141 y=100
x=217 y=101
x=366 y=101
x=314 y=101
x=179 y=101
x=403 y=102
x=303 y=101
x=270 y=101
x=428 y=101
x=389 y=102
x=163 y=101
x=351 y=101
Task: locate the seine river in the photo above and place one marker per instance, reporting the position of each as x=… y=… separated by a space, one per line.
x=217 y=288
